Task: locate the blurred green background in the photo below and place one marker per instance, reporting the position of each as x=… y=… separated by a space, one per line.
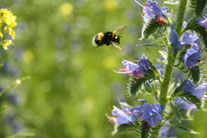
x=72 y=85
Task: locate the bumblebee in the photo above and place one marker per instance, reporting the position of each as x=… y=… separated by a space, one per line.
x=108 y=38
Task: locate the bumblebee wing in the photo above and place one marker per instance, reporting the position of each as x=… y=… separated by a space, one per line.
x=119 y=28
x=117 y=46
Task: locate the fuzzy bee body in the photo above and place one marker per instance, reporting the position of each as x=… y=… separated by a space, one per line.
x=105 y=38
x=108 y=38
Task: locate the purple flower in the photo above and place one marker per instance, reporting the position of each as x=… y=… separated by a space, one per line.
x=183 y=105
x=127 y=115
x=151 y=114
x=189 y=38
x=174 y=39
x=203 y=86
x=142 y=101
x=154 y=8
x=138 y=70
x=132 y=69
x=129 y=65
x=144 y=64
x=203 y=22
x=192 y=56
x=163 y=131
x=122 y=116
x=189 y=88
x=184 y=24
x=166 y=131
x=153 y=11
x=137 y=111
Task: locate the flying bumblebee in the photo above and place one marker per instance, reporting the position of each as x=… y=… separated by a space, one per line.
x=108 y=38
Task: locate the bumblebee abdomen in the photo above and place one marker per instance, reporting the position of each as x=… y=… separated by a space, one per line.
x=98 y=39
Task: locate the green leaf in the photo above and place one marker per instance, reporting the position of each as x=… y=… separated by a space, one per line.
x=122 y=128
x=134 y=84
x=193 y=99
x=145 y=130
x=198 y=6
x=181 y=127
x=148 y=87
x=176 y=112
x=154 y=131
x=125 y=127
x=194 y=26
x=149 y=28
x=178 y=91
x=202 y=33
x=195 y=74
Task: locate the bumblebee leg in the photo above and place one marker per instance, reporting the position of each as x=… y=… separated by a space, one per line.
x=118 y=47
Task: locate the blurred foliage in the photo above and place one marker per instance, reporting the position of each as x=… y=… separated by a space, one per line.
x=72 y=85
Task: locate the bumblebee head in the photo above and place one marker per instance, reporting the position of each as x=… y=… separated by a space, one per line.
x=117 y=39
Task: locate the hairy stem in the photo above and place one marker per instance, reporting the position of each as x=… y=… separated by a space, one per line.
x=171 y=58
x=167 y=77
x=180 y=16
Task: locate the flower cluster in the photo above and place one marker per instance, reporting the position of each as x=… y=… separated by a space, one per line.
x=188 y=88
x=153 y=11
x=203 y=22
x=182 y=104
x=138 y=70
x=191 y=43
x=144 y=112
x=174 y=98
x=7 y=23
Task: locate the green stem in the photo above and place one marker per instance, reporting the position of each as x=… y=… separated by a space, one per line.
x=145 y=130
x=171 y=58
x=7 y=55
x=167 y=77
x=180 y=16
x=14 y=84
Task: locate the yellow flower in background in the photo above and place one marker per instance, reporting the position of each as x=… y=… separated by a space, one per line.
x=66 y=11
x=111 y=4
x=7 y=17
x=12 y=33
x=1 y=34
x=7 y=23
x=6 y=43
